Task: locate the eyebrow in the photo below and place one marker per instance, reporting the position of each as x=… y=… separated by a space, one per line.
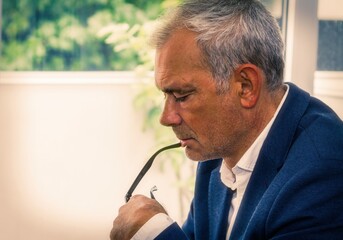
x=183 y=90
x=180 y=88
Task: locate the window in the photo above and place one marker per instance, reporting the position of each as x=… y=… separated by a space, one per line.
x=330 y=36
x=328 y=82
x=64 y=35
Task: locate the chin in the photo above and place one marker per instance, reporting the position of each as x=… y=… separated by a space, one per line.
x=195 y=156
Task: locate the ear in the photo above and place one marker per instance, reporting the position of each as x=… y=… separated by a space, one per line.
x=249 y=82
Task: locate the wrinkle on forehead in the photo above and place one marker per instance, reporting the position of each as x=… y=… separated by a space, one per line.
x=174 y=83
x=183 y=46
x=178 y=61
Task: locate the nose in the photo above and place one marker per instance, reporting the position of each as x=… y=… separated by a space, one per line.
x=170 y=116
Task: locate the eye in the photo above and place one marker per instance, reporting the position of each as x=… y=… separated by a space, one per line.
x=176 y=98
x=181 y=98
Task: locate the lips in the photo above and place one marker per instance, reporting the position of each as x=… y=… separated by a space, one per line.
x=184 y=142
x=183 y=135
x=184 y=138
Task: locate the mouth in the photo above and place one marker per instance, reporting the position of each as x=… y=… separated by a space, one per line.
x=185 y=141
x=184 y=135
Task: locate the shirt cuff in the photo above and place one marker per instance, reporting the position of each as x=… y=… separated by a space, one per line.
x=153 y=227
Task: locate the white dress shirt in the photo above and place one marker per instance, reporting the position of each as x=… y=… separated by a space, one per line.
x=236 y=179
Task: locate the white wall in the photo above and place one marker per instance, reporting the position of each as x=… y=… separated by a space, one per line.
x=301 y=43
x=328 y=87
x=330 y=9
x=68 y=154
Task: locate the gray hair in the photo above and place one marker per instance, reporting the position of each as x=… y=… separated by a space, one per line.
x=229 y=33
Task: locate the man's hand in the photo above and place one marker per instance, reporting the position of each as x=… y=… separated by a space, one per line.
x=133 y=215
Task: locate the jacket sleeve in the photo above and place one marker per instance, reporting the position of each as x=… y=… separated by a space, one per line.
x=310 y=207
x=172 y=232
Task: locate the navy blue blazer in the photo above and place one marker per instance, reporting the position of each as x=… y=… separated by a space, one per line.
x=295 y=191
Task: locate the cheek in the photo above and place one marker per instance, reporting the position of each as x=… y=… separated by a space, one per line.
x=224 y=126
x=211 y=118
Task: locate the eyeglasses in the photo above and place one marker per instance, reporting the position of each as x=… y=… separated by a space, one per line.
x=145 y=168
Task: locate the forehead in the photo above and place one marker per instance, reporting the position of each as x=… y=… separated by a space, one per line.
x=180 y=62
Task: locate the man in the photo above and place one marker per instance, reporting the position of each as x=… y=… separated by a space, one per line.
x=270 y=155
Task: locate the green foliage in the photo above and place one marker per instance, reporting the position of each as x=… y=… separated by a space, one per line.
x=63 y=35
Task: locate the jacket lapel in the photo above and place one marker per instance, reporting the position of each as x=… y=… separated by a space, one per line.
x=272 y=156
x=219 y=206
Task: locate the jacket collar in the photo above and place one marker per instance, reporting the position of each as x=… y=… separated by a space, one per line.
x=272 y=155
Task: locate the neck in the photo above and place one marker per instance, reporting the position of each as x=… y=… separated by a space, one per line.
x=258 y=118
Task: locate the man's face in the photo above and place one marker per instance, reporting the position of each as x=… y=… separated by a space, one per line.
x=209 y=125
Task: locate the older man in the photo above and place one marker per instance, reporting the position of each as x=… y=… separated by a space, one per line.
x=270 y=155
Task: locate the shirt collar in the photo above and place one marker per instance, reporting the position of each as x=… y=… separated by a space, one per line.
x=247 y=162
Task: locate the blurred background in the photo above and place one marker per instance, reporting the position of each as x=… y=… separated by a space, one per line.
x=79 y=111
